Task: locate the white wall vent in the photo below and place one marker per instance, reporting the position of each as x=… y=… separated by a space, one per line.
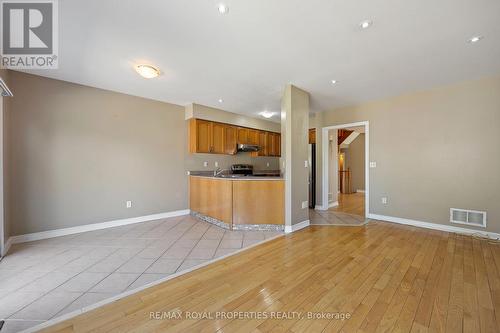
x=468 y=217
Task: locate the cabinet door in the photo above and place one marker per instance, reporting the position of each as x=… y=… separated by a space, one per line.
x=263 y=144
x=270 y=144
x=218 y=134
x=203 y=136
x=242 y=135
x=253 y=137
x=277 y=144
x=230 y=137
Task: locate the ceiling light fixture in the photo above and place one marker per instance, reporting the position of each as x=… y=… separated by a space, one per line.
x=475 y=39
x=334 y=81
x=220 y=100
x=266 y=114
x=222 y=8
x=147 y=71
x=365 y=24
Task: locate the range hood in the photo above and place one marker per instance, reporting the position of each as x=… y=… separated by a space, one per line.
x=243 y=147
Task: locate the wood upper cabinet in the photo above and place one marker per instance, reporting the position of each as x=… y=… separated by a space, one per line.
x=200 y=133
x=253 y=137
x=273 y=144
x=262 y=142
x=270 y=144
x=211 y=137
x=230 y=139
x=312 y=135
x=242 y=135
x=277 y=144
x=218 y=135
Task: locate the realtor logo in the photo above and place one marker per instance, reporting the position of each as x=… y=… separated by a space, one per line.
x=29 y=34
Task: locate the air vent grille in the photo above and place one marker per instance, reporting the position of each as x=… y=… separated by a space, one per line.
x=468 y=217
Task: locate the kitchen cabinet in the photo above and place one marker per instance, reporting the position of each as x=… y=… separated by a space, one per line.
x=231 y=136
x=200 y=136
x=248 y=202
x=242 y=135
x=253 y=137
x=277 y=144
x=263 y=145
x=212 y=137
x=218 y=134
x=270 y=144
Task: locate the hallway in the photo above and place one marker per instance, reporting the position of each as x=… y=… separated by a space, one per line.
x=351 y=204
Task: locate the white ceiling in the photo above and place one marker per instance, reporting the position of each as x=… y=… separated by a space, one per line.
x=247 y=56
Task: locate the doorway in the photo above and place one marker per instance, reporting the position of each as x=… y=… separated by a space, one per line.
x=345 y=183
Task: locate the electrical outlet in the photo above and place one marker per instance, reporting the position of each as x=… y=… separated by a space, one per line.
x=129 y=204
x=267 y=164
x=384 y=200
x=216 y=164
x=305 y=204
x=373 y=164
x=205 y=164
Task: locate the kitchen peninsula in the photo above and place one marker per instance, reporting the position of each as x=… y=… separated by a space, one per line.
x=238 y=202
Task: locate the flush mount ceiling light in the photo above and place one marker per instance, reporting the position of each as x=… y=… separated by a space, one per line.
x=147 y=71
x=222 y=8
x=475 y=39
x=365 y=24
x=334 y=81
x=220 y=100
x=266 y=114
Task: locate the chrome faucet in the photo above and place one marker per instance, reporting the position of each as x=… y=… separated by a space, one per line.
x=217 y=172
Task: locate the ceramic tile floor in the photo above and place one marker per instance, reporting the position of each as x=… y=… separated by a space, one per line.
x=45 y=279
x=331 y=217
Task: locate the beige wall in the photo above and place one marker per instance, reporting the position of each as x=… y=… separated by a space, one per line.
x=434 y=150
x=295 y=129
x=4 y=107
x=355 y=161
x=77 y=154
x=205 y=112
x=196 y=161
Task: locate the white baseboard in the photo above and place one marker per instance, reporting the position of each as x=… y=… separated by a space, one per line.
x=94 y=226
x=434 y=226
x=333 y=204
x=360 y=191
x=7 y=246
x=319 y=207
x=296 y=227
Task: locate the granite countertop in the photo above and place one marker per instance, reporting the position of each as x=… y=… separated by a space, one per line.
x=210 y=174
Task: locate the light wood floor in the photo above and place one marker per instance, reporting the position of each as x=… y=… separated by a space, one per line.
x=387 y=276
x=351 y=204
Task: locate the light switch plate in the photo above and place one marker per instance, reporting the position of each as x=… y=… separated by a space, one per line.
x=205 y=164
x=384 y=200
x=216 y=164
x=129 y=204
x=305 y=164
x=305 y=204
x=373 y=164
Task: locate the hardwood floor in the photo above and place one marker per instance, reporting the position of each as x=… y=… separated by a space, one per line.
x=386 y=277
x=351 y=204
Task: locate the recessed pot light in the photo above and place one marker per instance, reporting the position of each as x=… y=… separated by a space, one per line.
x=220 y=100
x=475 y=39
x=147 y=71
x=334 y=81
x=222 y=8
x=365 y=24
x=266 y=114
